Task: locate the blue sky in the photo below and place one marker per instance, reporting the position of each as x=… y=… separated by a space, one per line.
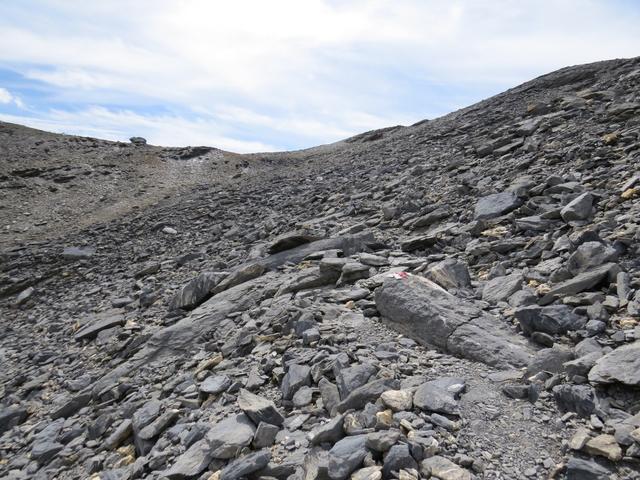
x=261 y=75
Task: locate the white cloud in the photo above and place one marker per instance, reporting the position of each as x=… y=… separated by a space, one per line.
x=316 y=70
x=7 y=98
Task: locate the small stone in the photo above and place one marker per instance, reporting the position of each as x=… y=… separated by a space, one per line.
x=439 y=395
x=24 y=296
x=368 y=473
x=191 y=463
x=605 y=446
x=578 y=209
x=259 y=409
x=622 y=365
x=579 y=439
x=383 y=440
x=121 y=302
x=497 y=204
x=397 y=400
x=138 y=141
x=265 y=435
x=397 y=458
x=443 y=469
x=244 y=466
x=579 y=469
x=296 y=377
x=228 y=437
x=92 y=329
x=444 y=422
x=215 y=384
x=78 y=253
x=329 y=432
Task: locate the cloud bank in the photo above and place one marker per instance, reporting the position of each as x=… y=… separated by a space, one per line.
x=255 y=75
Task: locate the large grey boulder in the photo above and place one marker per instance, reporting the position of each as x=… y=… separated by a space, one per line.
x=420 y=309
x=497 y=204
x=550 y=360
x=329 y=432
x=397 y=458
x=620 y=366
x=443 y=468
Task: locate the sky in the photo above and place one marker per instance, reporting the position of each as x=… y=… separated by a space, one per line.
x=257 y=75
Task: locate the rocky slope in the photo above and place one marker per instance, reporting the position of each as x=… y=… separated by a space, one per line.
x=452 y=300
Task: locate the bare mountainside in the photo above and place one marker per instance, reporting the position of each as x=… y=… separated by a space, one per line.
x=456 y=299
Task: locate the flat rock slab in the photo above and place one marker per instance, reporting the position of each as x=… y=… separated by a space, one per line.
x=420 y=309
x=499 y=289
x=92 y=329
x=496 y=204
x=620 y=366
x=290 y=240
x=215 y=384
x=581 y=282
x=440 y=395
x=349 y=244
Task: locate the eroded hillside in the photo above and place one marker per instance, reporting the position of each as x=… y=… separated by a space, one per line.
x=456 y=299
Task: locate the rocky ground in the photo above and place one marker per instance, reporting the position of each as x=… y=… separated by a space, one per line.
x=457 y=299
